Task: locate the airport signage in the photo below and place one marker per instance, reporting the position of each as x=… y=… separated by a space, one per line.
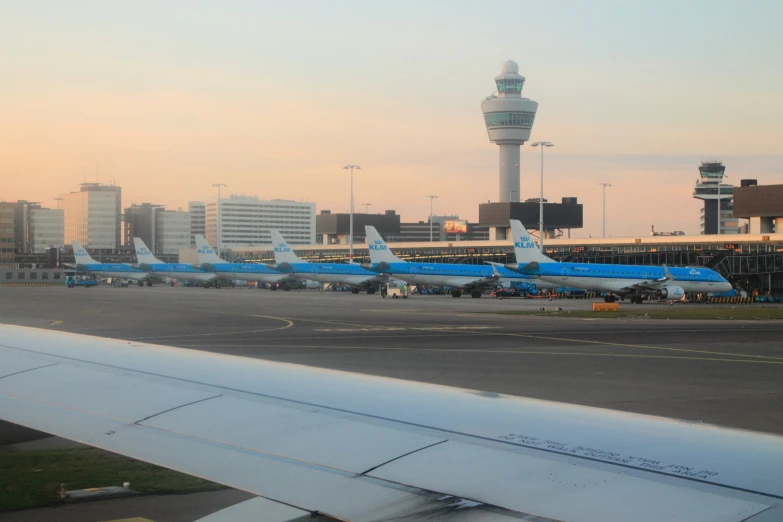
x=455 y=226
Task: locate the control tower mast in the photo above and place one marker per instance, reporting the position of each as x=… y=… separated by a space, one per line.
x=509 y=118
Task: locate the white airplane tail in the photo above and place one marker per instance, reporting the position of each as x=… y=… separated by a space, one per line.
x=205 y=253
x=81 y=256
x=143 y=254
x=525 y=249
x=379 y=252
x=283 y=252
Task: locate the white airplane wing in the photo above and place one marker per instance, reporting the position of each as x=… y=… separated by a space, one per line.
x=353 y=447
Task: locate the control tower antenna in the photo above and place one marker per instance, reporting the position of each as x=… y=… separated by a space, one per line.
x=509 y=118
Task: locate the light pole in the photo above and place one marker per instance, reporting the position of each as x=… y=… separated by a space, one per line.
x=432 y=198
x=350 y=226
x=366 y=206
x=217 y=218
x=542 y=144
x=604 y=185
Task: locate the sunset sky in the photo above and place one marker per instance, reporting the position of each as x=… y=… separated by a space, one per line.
x=272 y=98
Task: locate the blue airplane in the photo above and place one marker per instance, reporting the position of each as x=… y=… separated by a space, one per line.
x=634 y=280
x=331 y=273
x=258 y=272
x=181 y=271
x=119 y=270
x=462 y=278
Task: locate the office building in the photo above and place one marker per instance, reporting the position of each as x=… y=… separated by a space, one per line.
x=509 y=118
x=172 y=231
x=762 y=205
x=198 y=220
x=247 y=220
x=7 y=234
x=93 y=216
x=717 y=197
x=142 y=221
x=45 y=229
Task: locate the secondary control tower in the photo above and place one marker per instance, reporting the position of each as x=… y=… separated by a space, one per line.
x=509 y=118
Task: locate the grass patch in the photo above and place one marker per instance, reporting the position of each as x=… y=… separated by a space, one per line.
x=740 y=312
x=31 y=479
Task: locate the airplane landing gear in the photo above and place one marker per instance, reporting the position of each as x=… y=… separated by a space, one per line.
x=456 y=293
x=475 y=294
x=610 y=298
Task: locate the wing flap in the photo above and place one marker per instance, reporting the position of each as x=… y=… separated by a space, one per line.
x=559 y=487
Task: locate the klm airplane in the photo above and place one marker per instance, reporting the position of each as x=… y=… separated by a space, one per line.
x=632 y=280
x=119 y=270
x=333 y=273
x=468 y=278
x=180 y=271
x=211 y=262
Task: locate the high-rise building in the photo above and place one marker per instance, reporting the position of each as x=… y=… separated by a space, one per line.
x=93 y=215
x=509 y=118
x=142 y=221
x=717 y=197
x=198 y=220
x=7 y=234
x=173 y=231
x=247 y=220
x=46 y=229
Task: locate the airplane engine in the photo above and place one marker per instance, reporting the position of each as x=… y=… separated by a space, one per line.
x=671 y=292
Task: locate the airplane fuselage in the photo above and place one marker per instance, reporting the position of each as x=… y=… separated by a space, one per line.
x=112 y=270
x=180 y=271
x=248 y=272
x=458 y=276
x=333 y=273
x=615 y=278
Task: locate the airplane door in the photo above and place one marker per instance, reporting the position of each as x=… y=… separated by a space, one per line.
x=564 y=273
x=712 y=279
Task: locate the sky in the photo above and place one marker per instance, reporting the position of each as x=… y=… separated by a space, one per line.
x=273 y=98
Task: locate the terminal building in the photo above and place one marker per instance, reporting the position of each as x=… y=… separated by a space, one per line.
x=93 y=216
x=761 y=205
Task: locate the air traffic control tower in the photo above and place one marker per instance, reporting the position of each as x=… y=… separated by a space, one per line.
x=509 y=118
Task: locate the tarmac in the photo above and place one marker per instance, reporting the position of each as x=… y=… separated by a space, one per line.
x=725 y=373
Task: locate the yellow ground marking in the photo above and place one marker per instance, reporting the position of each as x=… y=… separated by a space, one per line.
x=289 y=324
x=647 y=347
x=55 y=322
x=509 y=352
x=135 y=519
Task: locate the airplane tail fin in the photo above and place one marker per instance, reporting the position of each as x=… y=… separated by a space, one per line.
x=379 y=252
x=143 y=254
x=81 y=255
x=525 y=249
x=283 y=252
x=205 y=253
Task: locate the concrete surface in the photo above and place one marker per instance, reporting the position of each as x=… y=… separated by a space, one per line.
x=727 y=373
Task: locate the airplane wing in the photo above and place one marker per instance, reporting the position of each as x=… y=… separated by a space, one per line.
x=649 y=285
x=312 y=442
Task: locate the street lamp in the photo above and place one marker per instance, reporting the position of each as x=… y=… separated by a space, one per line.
x=604 y=185
x=432 y=198
x=542 y=144
x=217 y=218
x=350 y=231
x=366 y=206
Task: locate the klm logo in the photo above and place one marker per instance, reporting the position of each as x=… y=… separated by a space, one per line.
x=377 y=245
x=282 y=248
x=524 y=242
x=205 y=250
x=143 y=252
x=694 y=272
x=80 y=253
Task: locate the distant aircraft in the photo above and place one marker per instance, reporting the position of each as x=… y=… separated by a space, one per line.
x=461 y=277
x=315 y=443
x=332 y=273
x=118 y=270
x=634 y=280
x=180 y=271
x=257 y=272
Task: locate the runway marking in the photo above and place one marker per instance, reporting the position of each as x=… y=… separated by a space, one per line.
x=405 y=328
x=648 y=347
x=55 y=322
x=209 y=334
x=470 y=350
